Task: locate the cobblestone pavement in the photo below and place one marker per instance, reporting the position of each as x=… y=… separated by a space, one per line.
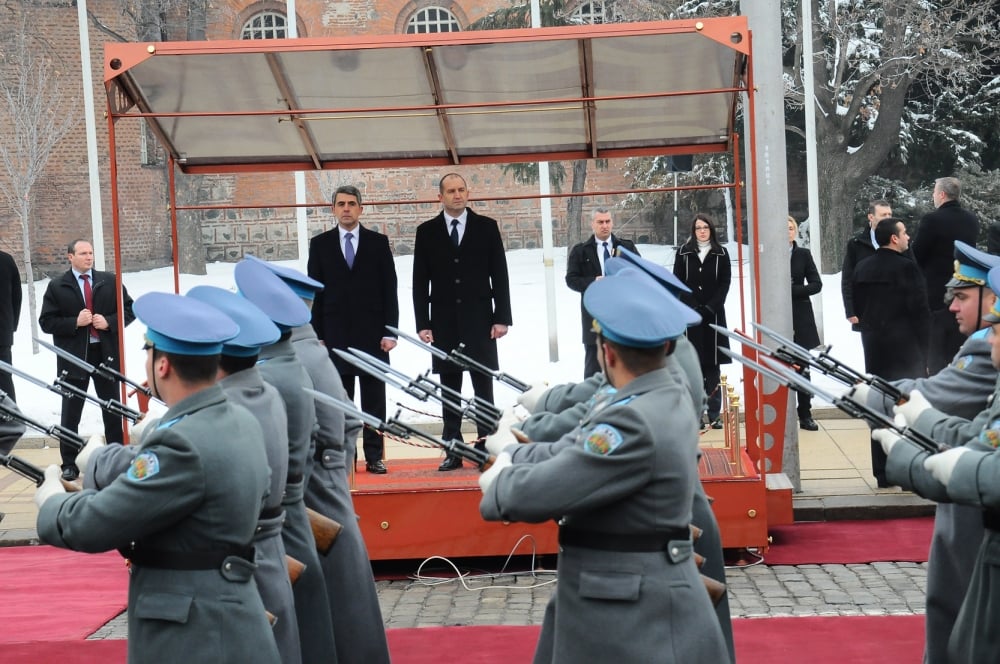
x=754 y=592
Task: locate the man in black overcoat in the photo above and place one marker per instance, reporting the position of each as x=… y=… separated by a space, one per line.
x=584 y=266
x=358 y=300
x=859 y=247
x=891 y=302
x=10 y=311
x=88 y=331
x=934 y=251
x=461 y=294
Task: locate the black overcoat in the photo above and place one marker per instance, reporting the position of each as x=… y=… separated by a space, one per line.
x=805 y=283
x=355 y=304
x=582 y=267
x=709 y=283
x=62 y=303
x=10 y=298
x=459 y=293
x=934 y=246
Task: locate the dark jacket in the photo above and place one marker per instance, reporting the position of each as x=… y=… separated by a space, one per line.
x=891 y=301
x=355 y=304
x=709 y=283
x=934 y=246
x=459 y=293
x=10 y=298
x=805 y=283
x=859 y=247
x=61 y=305
x=582 y=267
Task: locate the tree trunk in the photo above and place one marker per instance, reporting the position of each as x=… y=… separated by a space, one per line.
x=574 y=208
x=190 y=249
x=29 y=271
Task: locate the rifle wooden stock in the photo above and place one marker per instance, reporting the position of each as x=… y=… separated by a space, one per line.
x=716 y=590
x=325 y=530
x=295 y=568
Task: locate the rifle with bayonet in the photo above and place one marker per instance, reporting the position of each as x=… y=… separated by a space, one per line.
x=57 y=431
x=102 y=370
x=65 y=389
x=464 y=361
x=792 y=353
x=482 y=412
x=783 y=375
x=395 y=427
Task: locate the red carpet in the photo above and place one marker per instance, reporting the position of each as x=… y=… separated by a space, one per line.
x=890 y=639
x=54 y=595
x=851 y=542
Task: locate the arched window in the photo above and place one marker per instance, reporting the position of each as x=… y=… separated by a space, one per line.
x=432 y=19
x=265 y=25
x=593 y=12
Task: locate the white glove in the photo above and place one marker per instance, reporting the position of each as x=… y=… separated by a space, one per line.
x=490 y=475
x=887 y=437
x=913 y=407
x=154 y=414
x=51 y=486
x=858 y=393
x=941 y=465
x=496 y=442
x=95 y=443
x=530 y=398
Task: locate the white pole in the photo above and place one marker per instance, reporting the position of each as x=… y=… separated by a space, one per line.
x=301 y=220
x=812 y=170
x=676 y=243
x=545 y=205
x=96 y=218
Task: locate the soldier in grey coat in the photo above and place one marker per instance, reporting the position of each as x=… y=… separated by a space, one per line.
x=184 y=513
x=961 y=389
x=280 y=367
x=967 y=473
x=358 y=628
x=621 y=485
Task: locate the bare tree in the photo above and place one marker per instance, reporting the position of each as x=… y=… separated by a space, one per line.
x=39 y=106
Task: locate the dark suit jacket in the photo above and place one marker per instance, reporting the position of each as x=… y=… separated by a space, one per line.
x=805 y=283
x=10 y=298
x=459 y=293
x=709 y=282
x=63 y=302
x=355 y=304
x=934 y=246
x=582 y=267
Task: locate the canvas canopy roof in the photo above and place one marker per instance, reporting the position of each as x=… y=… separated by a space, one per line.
x=579 y=92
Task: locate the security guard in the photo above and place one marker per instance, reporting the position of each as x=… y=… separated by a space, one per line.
x=242 y=384
x=184 y=513
x=621 y=484
x=961 y=390
x=281 y=368
x=358 y=627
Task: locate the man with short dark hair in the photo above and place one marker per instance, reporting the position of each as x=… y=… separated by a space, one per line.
x=584 y=266
x=80 y=311
x=891 y=305
x=860 y=247
x=461 y=295
x=933 y=248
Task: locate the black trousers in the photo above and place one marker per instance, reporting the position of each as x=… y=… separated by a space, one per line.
x=944 y=340
x=482 y=386
x=711 y=375
x=590 y=363
x=6 y=380
x=804 y=408
x=72 y=409
x=373 y=403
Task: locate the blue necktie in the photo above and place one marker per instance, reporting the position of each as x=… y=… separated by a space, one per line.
x=607 y=255
x=349 y=249
x=454 y=232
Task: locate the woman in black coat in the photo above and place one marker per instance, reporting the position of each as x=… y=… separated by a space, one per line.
x=806 y=282
x=703 y=265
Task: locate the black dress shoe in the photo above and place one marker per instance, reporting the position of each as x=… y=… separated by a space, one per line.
x=376 y=467
x=809 y=424
x=717 y=423
x=480 y=444
x=451 y=463
x=70 y=473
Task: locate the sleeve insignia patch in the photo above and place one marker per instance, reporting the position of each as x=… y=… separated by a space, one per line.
x=143 y=467
x=963 y=362
x=603 y=439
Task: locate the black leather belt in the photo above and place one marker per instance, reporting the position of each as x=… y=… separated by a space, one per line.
x=645 y=542
x=270 y=513
x=185 y=560
x=991 y=520
x=295 y=479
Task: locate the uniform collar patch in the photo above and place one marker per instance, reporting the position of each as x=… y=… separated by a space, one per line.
x=602 y=439
x=144 y=466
